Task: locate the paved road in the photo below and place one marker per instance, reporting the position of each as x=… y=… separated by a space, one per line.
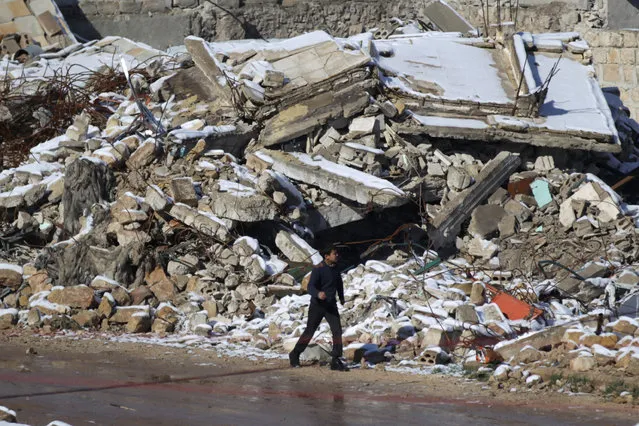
x=108 y=390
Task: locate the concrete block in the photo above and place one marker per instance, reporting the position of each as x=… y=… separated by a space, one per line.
x=611 y=73
x=485 y=220
x=183 y=191
x=458 y=179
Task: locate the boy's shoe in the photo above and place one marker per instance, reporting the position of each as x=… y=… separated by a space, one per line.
x=294 y=359
x=338 y=365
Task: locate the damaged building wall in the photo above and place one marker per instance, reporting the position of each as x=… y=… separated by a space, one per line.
x=138 y=19
x=163 y=23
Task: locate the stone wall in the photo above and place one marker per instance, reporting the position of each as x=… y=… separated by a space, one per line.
x=615 y=57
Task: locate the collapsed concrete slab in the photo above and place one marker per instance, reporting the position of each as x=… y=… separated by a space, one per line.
x=303 y=117
x=438 y=78
x=334 y=178
x=446 y=225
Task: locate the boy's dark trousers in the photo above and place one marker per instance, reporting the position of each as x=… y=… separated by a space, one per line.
x=317 y=310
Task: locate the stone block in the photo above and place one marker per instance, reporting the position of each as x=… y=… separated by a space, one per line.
x=139 y=323
x=79 y=296
x=616 y=39
x=143 y=155
x=583 y=363
x=161 y=286
x=8 y=318
x=629 y=74
x=86 y=318
x=478 y=294
x=124 y=314
x=627 y=56
x=273 y=78
x=613 y=56
x=629 y=39
x=508 y=226
x=107 y=305
x=183 y=191
x=600 y=55
x=10 y=275
x=611 y=73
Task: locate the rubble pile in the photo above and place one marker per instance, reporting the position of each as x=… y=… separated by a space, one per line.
x=193 y=194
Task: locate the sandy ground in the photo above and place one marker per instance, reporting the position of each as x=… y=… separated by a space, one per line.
x=82 y=381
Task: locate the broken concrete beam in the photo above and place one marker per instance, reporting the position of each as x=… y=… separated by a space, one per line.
x=206 y=62
x=301 y=118
x=447 y=224
x=335 y=178
x=296 y=249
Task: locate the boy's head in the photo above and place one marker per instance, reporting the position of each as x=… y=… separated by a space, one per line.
x=330 y=255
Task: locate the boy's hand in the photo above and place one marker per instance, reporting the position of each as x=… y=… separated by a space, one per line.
x=321 y=295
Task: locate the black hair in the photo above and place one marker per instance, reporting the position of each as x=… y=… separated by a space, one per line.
x=328 y=250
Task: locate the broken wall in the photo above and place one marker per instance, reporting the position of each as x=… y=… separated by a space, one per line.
x=165 y=22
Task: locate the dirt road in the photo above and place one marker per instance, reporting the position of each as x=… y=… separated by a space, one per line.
x=105 y=383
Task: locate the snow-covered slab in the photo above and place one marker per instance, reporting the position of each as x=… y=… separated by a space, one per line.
x=441 y=68
x=434 y=121
x=335 y=178
x=574 y=102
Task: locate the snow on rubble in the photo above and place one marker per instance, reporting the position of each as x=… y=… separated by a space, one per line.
x=187 y=205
